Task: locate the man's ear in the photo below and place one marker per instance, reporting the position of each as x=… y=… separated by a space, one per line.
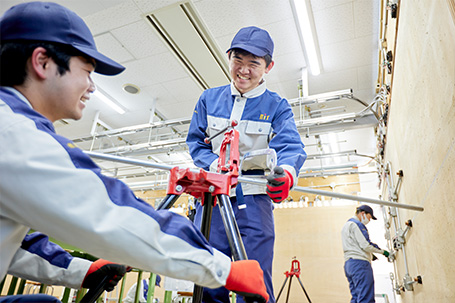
x=267 y=70
x=39 y=62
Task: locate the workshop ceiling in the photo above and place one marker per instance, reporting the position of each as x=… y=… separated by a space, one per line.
x=156 y=119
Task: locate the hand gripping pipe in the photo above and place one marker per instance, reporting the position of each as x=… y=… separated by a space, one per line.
x=259 y=182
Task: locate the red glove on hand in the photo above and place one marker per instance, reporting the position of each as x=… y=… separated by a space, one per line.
x=101 y=269
x=246 y=278
x=279 y=182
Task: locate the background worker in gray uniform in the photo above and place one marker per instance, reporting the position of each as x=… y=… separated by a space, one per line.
x=358 y=250
x=265 y=120
x=48 y=184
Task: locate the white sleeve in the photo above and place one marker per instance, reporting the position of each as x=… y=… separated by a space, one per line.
x=31 y=266
x=363 y=243
x=42 y=188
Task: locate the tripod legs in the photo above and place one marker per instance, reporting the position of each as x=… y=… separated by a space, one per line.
x=282 y=287
x=289 y=289
x=304 y=290
x=230 y=225
x=205 y=229
x=167 y=202
x=232 y=229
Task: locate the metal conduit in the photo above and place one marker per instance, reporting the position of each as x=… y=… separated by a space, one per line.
x=260 y=182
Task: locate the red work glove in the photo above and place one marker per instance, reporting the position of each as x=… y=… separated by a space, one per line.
x=101 y=269
x=279 y=182
x=247 y=279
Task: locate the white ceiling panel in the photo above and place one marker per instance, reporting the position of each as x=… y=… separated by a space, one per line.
x=348 y=54
x=182 y=110
x=161 y=94
x=155 y=69
x=335 y=24
x=318 y=5
x=366 y=75
x=285 y=39
x=140 y=39
x=112 y=48
x=113 y=17
x=365 y=12
x=183 y=90
x=339 y=80
x=226 y=17
x=147 y=6
x=286 y=68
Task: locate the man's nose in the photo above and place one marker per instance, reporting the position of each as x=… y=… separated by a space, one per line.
x=92 y=86
x=244 y=69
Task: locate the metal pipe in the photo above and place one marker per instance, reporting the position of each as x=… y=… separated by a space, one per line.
x=336 y=195
x=260 y=182
x=128 y=161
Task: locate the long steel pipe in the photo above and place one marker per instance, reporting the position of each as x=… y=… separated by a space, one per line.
x=261 y=182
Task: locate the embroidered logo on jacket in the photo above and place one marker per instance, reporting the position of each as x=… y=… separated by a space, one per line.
x=264 y=117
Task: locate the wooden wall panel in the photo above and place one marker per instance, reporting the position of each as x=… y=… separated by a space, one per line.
x=313 y=235
x=421 y=142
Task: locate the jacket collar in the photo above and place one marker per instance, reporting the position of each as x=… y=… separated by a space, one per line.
x=255 y=92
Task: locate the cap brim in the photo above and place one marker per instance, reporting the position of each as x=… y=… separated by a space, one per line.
x=373 y=217
x=254 y=50
x=104 y=65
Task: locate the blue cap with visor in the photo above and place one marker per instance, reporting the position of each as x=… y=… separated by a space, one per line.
x=254 y=40
x=368 y=210
x=51 y=22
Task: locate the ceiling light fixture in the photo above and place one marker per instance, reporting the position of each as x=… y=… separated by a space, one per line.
x=188 y=38
x=131 y=88
x=103 y=97
x=305 y=26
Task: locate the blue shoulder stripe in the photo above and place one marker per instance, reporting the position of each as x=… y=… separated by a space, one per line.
x=364 y=231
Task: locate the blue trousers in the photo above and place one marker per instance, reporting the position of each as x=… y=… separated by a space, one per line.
x=257 y=228
x=361 y=280
x=38 y=298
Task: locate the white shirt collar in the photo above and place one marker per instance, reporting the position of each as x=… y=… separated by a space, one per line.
x=255 y=92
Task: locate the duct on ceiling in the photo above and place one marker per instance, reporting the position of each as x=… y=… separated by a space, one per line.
x=184 y=32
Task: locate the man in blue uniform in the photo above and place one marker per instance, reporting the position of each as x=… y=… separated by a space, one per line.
x=358 y=250
x=46 y=183
x=265 y=120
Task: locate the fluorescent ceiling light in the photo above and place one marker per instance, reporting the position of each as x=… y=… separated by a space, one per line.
x=305 y=26
x=188 y=38
x=97 y=93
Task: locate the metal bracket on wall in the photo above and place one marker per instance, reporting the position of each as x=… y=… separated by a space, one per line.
x=397 y=243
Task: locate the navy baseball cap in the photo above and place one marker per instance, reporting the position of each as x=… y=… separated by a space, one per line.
x=367 y=209
x=254 y=40
x=51 y=22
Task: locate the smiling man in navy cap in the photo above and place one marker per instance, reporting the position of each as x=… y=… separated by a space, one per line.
x=265 y=120
x=46 y=183
x=358 y=253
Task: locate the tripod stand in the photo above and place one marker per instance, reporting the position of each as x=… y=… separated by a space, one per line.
x=295 y=271
x=212 y=187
